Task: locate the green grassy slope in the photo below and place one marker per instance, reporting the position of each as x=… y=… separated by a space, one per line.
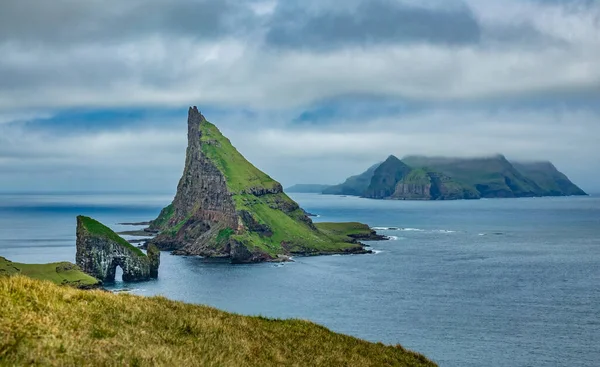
x=548 y=178
x=96 y=228
x=291 y=230
x=491 y=176
x=418 y=176
x=63 y=273
x=355 y=185
x=42 y=324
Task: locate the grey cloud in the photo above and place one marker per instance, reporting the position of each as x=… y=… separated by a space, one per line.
x=62 y=22
x=376 y=21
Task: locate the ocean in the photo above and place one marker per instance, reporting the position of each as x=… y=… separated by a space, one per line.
x=499 y=282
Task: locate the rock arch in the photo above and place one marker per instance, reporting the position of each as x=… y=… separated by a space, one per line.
x=100 y=251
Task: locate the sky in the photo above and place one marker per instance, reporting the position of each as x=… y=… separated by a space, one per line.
x=94 y=94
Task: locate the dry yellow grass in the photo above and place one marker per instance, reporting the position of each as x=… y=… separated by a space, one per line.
x=45 y=324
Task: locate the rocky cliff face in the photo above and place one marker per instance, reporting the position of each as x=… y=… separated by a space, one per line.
x=100 y=251
x=423 y=184
x=226 y=207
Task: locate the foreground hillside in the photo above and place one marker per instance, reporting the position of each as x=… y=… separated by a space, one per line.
x=44 y=324
x=63 y=273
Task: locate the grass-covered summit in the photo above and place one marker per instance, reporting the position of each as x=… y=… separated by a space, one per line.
x=45 y=325
x=226 y=207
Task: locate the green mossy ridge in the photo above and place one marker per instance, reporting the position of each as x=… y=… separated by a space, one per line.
x=239 y=173
x=419 y=176
x=62 y=273
x=224 y=235
x=163 y=218
x=173 y=230
x=70 y=327
x=98 y=229
x=343 y=230
x=287 y=228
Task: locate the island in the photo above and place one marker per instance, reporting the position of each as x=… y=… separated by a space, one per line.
x=443 y=178
x=225 y=207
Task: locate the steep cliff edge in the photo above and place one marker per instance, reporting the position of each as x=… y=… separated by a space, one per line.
x=100 y=251
x=226 y=207
x=424 y=184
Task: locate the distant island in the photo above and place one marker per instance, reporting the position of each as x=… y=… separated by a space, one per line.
x=442 y=178
x=307 y=188
x=227 y=208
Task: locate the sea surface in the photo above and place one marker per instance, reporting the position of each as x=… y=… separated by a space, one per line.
x=504 y=282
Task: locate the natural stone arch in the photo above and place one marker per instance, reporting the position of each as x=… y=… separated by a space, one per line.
x=100 y=251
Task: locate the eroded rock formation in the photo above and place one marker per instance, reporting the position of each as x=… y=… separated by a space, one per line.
x=100 y=251
x=226 y=207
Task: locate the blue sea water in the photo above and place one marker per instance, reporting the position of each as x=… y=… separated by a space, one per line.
x=507 y=282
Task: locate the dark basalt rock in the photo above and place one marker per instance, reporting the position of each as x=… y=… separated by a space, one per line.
x=100 y=251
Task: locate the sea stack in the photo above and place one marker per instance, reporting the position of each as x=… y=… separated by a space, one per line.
x=225 y=207
x=100 y=251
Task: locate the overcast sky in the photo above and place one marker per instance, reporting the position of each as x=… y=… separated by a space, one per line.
x=94 y=94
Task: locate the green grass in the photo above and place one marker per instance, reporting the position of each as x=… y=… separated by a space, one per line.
x=63 y=273
x=43 y=324
x=418 y=176
x=239 y=173
x=98 y=229
x=287 y=228
x=291 y=231
x=163 y=218
x=492 y=176
x=342 y=231
x=224 y=235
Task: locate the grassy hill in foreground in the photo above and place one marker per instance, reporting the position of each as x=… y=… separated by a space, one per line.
x=44 y=324
x=63 y=273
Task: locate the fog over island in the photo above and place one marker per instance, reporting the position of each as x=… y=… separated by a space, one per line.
x=93 y=94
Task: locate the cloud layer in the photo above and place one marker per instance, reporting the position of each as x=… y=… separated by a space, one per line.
x=332 y=86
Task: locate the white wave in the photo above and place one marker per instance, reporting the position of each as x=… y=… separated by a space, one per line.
x=381 y=228
x=412 y=230
x=482 y=234
x=444 y=231
x=392 y=238
x=375 y=252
